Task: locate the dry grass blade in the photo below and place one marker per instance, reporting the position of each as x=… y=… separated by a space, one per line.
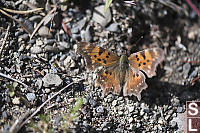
x=4 y=40
x=38 y=109
x=22 y=12
x=38 y=26
x=21 y=24
x=6 y=76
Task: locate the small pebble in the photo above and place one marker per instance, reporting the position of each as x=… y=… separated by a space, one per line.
x=186 y=69
x=36 y=50
x=30 y=96
x=45 y=32
x=51 y=80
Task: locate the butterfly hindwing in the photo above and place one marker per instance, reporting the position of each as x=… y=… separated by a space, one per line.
x=109 y=80
x=134 y=83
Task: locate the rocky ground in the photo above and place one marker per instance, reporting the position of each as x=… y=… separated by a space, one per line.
x=33 y=70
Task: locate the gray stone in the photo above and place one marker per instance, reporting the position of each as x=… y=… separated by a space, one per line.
x=45 y=32
x=75 y=30
x=99 y=109
x=100 y=16
x=49 y=48
x=186 y=69
x=113 y=27
x=4 y=115
x=88 y=36
x=36 y=50
x=51 y=80
x=30 y=96
x=81 y=23
x=65 y=45
x=179 y=109
x=49 y=41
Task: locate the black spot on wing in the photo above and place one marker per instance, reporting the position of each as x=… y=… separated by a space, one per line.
x=104 y=61
x=101 y=51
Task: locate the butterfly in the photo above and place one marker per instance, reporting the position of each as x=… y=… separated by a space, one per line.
x=121 y=72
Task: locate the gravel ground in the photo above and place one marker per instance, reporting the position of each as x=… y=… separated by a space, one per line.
x=33 y=70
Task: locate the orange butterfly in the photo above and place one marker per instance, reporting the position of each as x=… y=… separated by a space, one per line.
x=121 y=72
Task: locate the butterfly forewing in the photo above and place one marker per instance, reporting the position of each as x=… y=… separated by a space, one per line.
x=97 y=56
x=147 y=60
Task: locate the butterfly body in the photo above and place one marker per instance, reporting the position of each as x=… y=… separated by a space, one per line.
x=121 y=72
x=123 y=65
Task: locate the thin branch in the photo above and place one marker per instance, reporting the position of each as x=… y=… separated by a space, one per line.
x=21 y=24
x=4 y=40
x=22 y=12
x=38 y=26
x=42 y=105
x=8 y=77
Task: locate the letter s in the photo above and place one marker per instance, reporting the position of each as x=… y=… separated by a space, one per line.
x=193 y=107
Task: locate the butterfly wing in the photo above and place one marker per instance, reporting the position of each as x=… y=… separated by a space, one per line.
x=147 y=60
x=96 y=56
x=108 y=79
x=135 y=83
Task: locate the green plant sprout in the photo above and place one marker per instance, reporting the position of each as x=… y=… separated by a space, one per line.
x=12 y=88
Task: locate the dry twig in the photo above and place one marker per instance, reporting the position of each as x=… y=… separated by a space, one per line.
x=38 y=26
x=22 y=12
